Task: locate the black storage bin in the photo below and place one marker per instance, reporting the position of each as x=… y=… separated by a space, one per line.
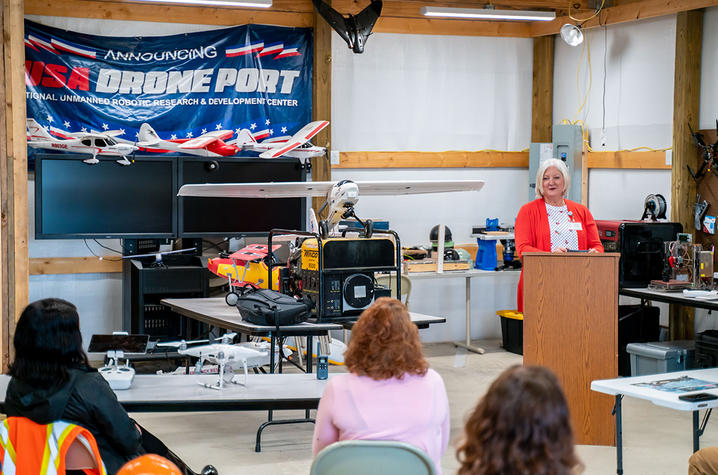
x=512 y=331
x=707 y=349
x=636 y=324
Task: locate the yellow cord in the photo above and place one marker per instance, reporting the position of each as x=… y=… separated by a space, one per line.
x=585 y=19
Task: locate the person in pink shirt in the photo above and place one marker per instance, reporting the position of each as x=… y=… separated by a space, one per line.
x=389 y=393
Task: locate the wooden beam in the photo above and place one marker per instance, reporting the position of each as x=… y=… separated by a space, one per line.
x=322 y=100
x=636 y=160
x=5 y=327
x=623 y=13
x=75 y=265
x=16 y=178
x=284 y=12
x=433 y=159
x=542 y=95
x=451 y=159
x=397 y=17
x=686 y=108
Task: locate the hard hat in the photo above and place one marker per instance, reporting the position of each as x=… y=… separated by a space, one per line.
x=149 y=464
x=434 y=237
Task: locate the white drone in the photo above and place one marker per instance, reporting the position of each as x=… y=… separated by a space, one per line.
x=226 y=356
x=340 y=196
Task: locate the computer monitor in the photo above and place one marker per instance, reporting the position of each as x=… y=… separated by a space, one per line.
x=106 y=200
x=226 y=217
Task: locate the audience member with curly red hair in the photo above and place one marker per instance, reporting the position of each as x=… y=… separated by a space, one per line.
x=520 y=427
x=389 y=393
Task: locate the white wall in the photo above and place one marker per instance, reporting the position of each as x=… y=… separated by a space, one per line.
x=639 y=65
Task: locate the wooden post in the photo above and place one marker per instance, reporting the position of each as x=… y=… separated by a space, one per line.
x=13 y=185
x=686 y=92
x=322 y=100
x=542 y=96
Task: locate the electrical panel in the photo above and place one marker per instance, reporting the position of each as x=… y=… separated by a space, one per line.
x=567 y=145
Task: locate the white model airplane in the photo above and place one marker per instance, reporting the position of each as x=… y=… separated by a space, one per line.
x=296 y=146
x=93 y=143
x=340 y=196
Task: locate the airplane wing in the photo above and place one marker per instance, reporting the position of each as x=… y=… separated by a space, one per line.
x=304 y=135
x=321 y=188
x=206 y=139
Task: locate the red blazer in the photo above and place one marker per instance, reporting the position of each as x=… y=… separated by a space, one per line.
x=533 y=233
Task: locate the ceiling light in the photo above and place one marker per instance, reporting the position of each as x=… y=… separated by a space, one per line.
x=488 y=14
x=221 y=3
x=572 y=34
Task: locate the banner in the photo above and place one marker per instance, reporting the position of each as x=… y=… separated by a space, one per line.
x=184 y=86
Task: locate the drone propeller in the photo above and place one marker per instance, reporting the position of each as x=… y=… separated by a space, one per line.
x=182 y=344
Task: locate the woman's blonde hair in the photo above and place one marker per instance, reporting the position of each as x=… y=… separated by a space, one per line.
x=560 y=166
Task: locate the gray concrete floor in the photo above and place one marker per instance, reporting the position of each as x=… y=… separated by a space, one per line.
x=656 y=440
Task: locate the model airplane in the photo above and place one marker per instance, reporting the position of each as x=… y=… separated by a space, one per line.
x=93 y=143
x=211 y=144
x=296 y=146
x=340 y=196
x=253 y=269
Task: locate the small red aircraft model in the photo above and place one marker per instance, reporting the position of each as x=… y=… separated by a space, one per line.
x=251 y=260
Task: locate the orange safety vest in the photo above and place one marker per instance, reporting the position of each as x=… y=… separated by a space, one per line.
x=27 y=448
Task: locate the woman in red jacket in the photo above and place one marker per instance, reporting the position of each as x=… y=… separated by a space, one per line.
x=552 y=223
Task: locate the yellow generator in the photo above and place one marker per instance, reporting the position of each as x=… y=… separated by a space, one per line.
x=340 y=278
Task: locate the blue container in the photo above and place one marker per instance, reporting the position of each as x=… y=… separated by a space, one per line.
x=486 y=255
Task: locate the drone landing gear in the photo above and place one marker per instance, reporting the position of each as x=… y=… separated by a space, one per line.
x=223 y=373
x=124 y=162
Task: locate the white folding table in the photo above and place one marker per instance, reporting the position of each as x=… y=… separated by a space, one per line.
x=621 y=387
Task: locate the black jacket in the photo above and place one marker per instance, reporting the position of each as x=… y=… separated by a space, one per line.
x=85 y=400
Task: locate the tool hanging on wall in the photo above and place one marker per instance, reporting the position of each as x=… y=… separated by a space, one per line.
x=710 y=155
x=354 y=29
x=699 y=212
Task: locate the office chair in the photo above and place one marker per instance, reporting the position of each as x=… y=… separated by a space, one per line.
x=372 y=457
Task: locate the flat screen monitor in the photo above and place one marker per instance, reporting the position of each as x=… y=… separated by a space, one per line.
x=643 y=251
x=106 y=200
x=228 y=217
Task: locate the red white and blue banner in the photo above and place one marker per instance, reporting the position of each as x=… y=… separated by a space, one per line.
x=251 y=77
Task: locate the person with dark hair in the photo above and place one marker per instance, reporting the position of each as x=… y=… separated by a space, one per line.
x=52 y=380
x=389 y=393
x=521 y=426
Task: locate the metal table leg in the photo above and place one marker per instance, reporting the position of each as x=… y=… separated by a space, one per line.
x=619 y=434
x=270 y=421
x=467 y=344
x=698 y=429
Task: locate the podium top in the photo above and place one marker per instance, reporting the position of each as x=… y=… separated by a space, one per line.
x=572 y=254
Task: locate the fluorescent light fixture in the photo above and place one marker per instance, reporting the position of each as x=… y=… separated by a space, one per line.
x=487 y=14
x=221 y=3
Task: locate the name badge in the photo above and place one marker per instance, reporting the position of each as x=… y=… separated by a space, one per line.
x=575 y=226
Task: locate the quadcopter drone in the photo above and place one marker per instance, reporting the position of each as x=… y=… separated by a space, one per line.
x=710 y=155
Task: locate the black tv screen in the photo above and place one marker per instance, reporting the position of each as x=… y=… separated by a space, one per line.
x=105 y=200
x=239 y=216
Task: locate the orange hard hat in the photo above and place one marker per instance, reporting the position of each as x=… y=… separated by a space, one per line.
x=149 y=464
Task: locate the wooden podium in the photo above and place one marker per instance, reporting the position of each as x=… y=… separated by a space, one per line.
x=571 y=327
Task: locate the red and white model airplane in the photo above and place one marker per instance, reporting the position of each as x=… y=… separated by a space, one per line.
x=92 y=143
x=296 y=146
x=211 y=144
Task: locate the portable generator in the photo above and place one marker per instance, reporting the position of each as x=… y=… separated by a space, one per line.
x=340 y=278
